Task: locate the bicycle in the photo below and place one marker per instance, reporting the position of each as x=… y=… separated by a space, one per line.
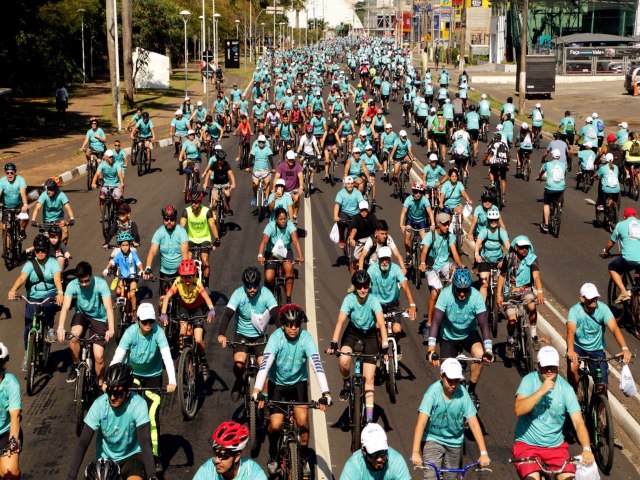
x=389 y=367
x=458 y=232
x=250 y=373
x=416 y=250
x=607 y=214
x=135 y=144
x=492 y=307
x=585 y=177
x=12 y=251
x=632 y=183
x=86 y=380
x=261 y=196
x=548 y=472
x=92 y=166
x=484 y=131
x=496 y=189
x=191 y=179
x=109 y=212
x=525 y=353
x=143 y=159
x=460 y=472
x=333 y=161
x=555 y=217
x=525 y=165
x=220 y=208
x=306 y=174
x=403 y=180
x=244 y=151
x=124 y=313
x=279 y=290
x=38 y=347
x=629 y=310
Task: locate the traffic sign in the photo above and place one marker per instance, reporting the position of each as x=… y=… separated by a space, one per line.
x=274 y=10
x=207 y=55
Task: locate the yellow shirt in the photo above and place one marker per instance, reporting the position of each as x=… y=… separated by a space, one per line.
x=189 y=295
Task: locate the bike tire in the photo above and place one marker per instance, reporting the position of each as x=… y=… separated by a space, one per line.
x=7 y=247
x=104 y=219
x=220 y=217
x=526 y=170
x=44 y=356
x=493 y=314
x=416 y=274
x=602 y=433
x=187 y=378
x=555 y=220
x=31 y=362
x=142 y=156
x=187 y=190
x=586 y=184
x=332 y=173
x=280 y=295
x=89 y=176
x=120 y=324
x=612 y=217
x=401 y=186
x=260 y=204
x=293 y=463
x=529 y=354
x=307 y=183
x=252 y=417
x=392 y=386
x=356 y=426
x=81 y=397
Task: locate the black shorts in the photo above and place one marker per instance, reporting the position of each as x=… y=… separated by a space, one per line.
x=204 y=245
x=132 y=466
x=288 y=393
x=551 y=196
x=368 y=337
x=421 y=120
x=190 y=312
x=458 y=117
x=452 y=348
x=258 y=351
x=166 y=280
x=473 y=133
x=499 y=170
x=384 y=97
x=485 y=267
x=440 y=139
x=568 y=137
x=91 y=327
x=272 y=265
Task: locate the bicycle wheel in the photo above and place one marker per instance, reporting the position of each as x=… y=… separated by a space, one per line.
x=332 y=172
x=260 y=203
x=356 y=418
x=188 y=184
x=293 y=463
x=89 y=176
x=307 y=182
x=7 y=246
x=492 y=307
x=586 y=183
x=280 y=295
x=611 y=217
x=81 y=397
x=105 y=218
x=392 y=386
x=526 y=169
x=31 y=361
x=187 y=383
x=142 y=156
x=401 y=185
x=529 y=354
x=415 y=267
x=602 y=433
x=44 y=356
x=220 y=217
x=252 y=416
x=120 y=323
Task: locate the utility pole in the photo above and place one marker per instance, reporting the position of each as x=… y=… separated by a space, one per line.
x=463 y=29
x=522 y=80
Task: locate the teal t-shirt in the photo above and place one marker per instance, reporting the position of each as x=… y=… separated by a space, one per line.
x=10 y=399
x=95 y=144
x=291 y=357
x=89 y=298
x=169 y=246
x=283 y=202
x=542 y=426
x=482 y=221
x=493 y=243
x=587 y=159
x=627 y=232
x=556 y=171
x=416 y=210
x=452 y=194
x=590 y=327
x=402 y=148
x=144 y=350
x=389 y=140
x=37 y=289
x=118 y=437
x=144 y=128
x=395 y=469
x=459 y=316
x=261 y=163
x=181 y=126
x=386 y=285
x=433 y=174
x=52 y=207
x=249 y=470
x=349 y=201
x=275 y=234
x=363 y=316
x=609 y=181
x=440 y=245
x=473 y=121
x=11 y=191
x=447 y=417
x=484 y=108
x=191 y=150
x=245 y=306
x=110 y=173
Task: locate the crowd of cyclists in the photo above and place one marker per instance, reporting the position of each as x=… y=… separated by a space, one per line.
x=299 y=135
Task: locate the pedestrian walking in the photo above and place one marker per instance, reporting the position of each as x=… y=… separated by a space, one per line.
x=62 y=103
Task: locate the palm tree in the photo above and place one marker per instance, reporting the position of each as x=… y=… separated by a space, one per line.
x=298 y=5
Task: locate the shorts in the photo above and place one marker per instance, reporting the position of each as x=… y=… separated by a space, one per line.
x=604 y=366
x=260 y=173
x=166 y=280
x=554 y=457
x=368 y=337
x=452 y=348
x=357 y=250
x=191 y=312
x=473 y=133
x=204 y=245
x=421 y=225
x=132 y=466
x=551 y=196
x=499 y=170
x=440 y=139
x=622 y=266
x=510 y=309
x=568 y=137
x=288 y=393
x=115 y=192
x=258 y=350
x=268 y=265
x=91 y=326
x=435 y=277
x=384 y=97
x=421 y=120
x=49 y=310
x=458 y=117
x=485 y=267
x=441 y=455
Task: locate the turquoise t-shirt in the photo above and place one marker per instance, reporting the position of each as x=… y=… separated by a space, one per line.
x=416 y=210
x=191 y=150
x=144 y=128
x=371 y=162
x=363 y=316
x=473 y=121
x=386 y=285
x=110 y=173
x=447 y=417
x=484 y=108
x=89 y=298
x=10 y=399
x=52 y=207
x=388 y=140
x=283 y=202
x=481 y=215
x=395 y=468
x=567 y=123
x=11 y=191
x=349 y=201
x=590 y=327
x=169 y=246
x=452 y=193
x=249 y=470
x=622 y=136
x=433 y=174
x=609 y=181
x=587 y=159
x=291 y=357
x=244 y=306
x=181 y=126
x=493 y=248
x=275 y=233
x=556 y=171
x=402 y=148
x=95 y=144
x=37 y=289
x=119 y=157
x=459 y=316
x=627 y=232
x=144 y=350
x=261 y=163
x=440 y=249
x=542 y=426
x=355 y=167
x=118 y=437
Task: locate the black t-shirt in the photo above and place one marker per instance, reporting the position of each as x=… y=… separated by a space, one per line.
x=220 y=172
x=365 y=227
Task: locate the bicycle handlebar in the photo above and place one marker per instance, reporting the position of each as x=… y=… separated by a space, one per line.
x=31 y=302
x=439 y=470
x=338 y=353
x=285 y=403
x=245 y=344
x=543 y=466
x=86 y=341
x=190 y=319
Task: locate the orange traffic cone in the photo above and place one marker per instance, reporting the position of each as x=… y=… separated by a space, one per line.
x=635 y=89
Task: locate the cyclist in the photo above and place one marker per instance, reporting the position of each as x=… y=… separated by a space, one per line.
x=543 y=400
x=307 y=146
x=609 y=182
x=416 y=214
x=446 y=408
x=287 y=356
x=178 y=130
x=199 y=223
x=56 y=248
x=120 y=156
x=279 y=238
x=134 y=119
x=211 y=132
x=479 y=218
x=490 y=246
x=554 y=188
x=379 y=239
x=13 y=189
x=484 y=109
x=285 y=134
x=566 y=152
x=54 y=203
x=280 y=199
x=261 y=157
x=376 y=459
x=112 y=179
x=244 y=131
x=472 y=121
x=461 y=150
x=388 y=140
x=587 y=159
x=567 y=128
x=452 y=192
x=627 y=232
x=330 y=142
x=220 y=174
x=401 y=153
x=96 y=139
x=192 y=297
x=219 y=108
x=498 y=158
x=519 y=279
x=460 y=310
x=252 y=306
x=258 y=112
x=509 y=108
x=524 y=146
x=144 y=129
x=94 y=312
x=272 y=121
x=346 y=205
x=589 y=133
x=190 y=157
x=291 y=172
x=363 y=313
x=128 y=265
x=123 y=421
x=219 y=79
x=11 y=408
x=355 y=168
x=433 y=175
x=123 y=223
x=586 y=325
x=228 y=441
x=146 y=349
x=631 y=149
x=537 y=120
x=186 y=107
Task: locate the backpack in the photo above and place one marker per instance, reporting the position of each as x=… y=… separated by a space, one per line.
x=557 y=174
x=440 y=124
x=591 y=133
x=634 y=151
x=600 y=125
x=570 y=128
x=501 y=153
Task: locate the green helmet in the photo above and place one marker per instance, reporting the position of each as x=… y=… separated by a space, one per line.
x=124 y=237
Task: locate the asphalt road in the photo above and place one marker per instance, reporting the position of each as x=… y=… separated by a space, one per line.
x=566 y=263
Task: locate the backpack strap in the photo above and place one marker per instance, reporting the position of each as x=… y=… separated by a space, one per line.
x=38 y=270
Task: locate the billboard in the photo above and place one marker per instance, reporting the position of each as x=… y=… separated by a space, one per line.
x=231 y=53
x=406 y=21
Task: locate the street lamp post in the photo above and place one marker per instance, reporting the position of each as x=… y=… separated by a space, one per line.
x=84 y=73
x=203 y=62
x=216 y=17
x=185 y=18
x=237 y=29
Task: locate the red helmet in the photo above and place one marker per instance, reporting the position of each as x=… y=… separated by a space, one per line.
x=187 y=267
x=417 y=186
x=309 y=128
x=231 y=436
x=169 y=211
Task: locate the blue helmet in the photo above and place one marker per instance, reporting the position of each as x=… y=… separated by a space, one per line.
x=462 y=278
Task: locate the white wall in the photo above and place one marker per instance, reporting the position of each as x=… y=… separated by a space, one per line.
x=156 y=72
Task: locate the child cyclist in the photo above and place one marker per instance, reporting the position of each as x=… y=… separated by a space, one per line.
x=129 y=265
x=191 y=298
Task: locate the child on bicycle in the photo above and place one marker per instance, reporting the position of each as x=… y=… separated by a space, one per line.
x=191 y=296
x=129 y=265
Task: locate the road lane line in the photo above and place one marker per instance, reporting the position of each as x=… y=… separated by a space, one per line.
x=319 y=428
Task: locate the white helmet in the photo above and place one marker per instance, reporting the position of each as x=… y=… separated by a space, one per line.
x=493 y=213
x=262 y=138
x=291 y=155
x=608 y=157
x=525 y=125
x=538 y=105
x=384 y=252
x=484 y=96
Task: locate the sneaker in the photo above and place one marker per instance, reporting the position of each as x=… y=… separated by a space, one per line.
x=306 y=469
x=295 y=220
x=23 y=234
x=272 y=467
x=623 y=297
x=510 y=350
x=51 y=335
x=236 y=391
x=158 y=465
x=341 y=244
x=312 y=187
x=253 y=202
x=398 y=352
x=72 y=376
x=475 y=399
x=346 y=390
x=544 y=228
x=204 y=369
x=23 y=365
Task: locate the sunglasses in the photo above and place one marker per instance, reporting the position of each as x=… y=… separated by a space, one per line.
x=292 y=324
x=462 y=290
x=376 y=455
x=223 y=454
x=146 y=322
x=445 y=224
x=252 y=286
x=10 y=172
x=362 y=287
x=169 y=219
x=40 y=250
x=112 y=392
x=522 y=247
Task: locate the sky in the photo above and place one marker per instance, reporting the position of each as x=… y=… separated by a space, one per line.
x=335 y=11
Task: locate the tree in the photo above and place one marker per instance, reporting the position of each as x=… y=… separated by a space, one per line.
x=111 y=48
x=127 y=51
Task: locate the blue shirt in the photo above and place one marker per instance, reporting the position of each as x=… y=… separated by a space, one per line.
x=110 y=173
x=609 y=181
x=433 y=175
x=144 y=350
x=590 y=327
x=128 y=265
x=452 y=193
x=556 y=171
x=440 y=246
x=89 y=298
x=386 y=285
x=356 y=468
x=248 y=470
x=95 y=144
x=144 y=128
x=362 y=316
x=52 y=206
x=275 y=234
x=169 y=243
x=261 y=163
x=246 y=307
x=37 y=289
x=416 y=210
x=459 y=316
x=180 y=126
x=11 y=191
x=9 y=400
x=349 y=201
x=291 y=357
x=493 y=243
x=191 y=149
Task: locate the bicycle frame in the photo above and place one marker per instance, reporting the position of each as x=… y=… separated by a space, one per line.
x=461 y=472
x=552 y=474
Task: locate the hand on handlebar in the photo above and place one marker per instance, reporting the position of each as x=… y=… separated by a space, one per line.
x=222 y=340
x=61 y=334
x=333 y=347
x=171 y=388
x=164 y=319
x=433 y=358
x=488 y=357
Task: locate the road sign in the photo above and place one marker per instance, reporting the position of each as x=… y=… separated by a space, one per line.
x=207 y=55
x=274 y=10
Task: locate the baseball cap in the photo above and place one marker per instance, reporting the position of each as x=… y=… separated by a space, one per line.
x=630 y=212
x=589 y=291
x=608 y=157
x=262 y=138
x=218 y=147
x=191 y=132
x=363 y=205
x=443 y=217
x=124 y=208
x=555 y=153
x=525 y=125
x=388 y=125
x=594 y=115
x=384 y=252
x=108 y=153
x=611 y=138
x=403 y=133
x=291 y=155
x=348 y=179
x=374 y=438
x=548 y=357
x=187 y=99
x=484 y=95
x=280 y=181
x=199 y=104
x=588 y=144
x=356 y=150
x=588 y=120
x=368 y=147
x=623 y=125
x=178 y=112
x=451 y=368
x=538 y=105
x=146 y=311
x=433 y=157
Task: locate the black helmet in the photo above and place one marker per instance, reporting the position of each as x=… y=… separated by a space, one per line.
x=119 y=375
x=51 y=184
x=361 y=277
x=221 y=154
x=102 y=469
x=41 y=241
x=10 y=166
x=145 y=115
x=486 y=196
x=557 y=134
x=472 y=108
x=292 y=312
x=497 y=136
x=55 y=230
x=195 y=194
x=251 y=276
x=170 y=211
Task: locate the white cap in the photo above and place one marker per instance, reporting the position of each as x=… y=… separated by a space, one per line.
x=146 y=311
x=451 y=368
x=368 y=147
x=218 y=147
x=199 y=104
x=433 y=109
x=299 y=97
x=484 y=95
x=384 y=252
x=525 y=125
x=433 y=157
x=347 y=179
x=588 y=144
x=374 y=438
x=589 y=291
x=594 y=115
x=388 y=125
x=403 y=133
x=258 y=101
x=363 y=205
x=187 y=98
x=318 y=93
x=178 y=112
x=548 y=357
x=280 y=181
x=555 y=153
x=447 y=101
x=538 y=105
x=608 y=157
x=356 y=150
x=623 y=125
x=191 y=132
x=291 y=155
x=363 y=133
x=108 y=153
x=262 y=138
x=588 y=120
x=499 y=127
